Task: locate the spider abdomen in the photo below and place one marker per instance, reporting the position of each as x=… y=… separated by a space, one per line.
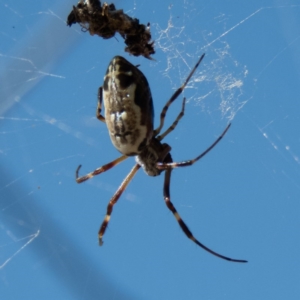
x=128 y=107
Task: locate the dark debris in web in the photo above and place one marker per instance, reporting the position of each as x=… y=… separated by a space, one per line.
x=106 y=21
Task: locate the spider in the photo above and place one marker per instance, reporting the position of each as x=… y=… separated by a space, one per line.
x=129 y=119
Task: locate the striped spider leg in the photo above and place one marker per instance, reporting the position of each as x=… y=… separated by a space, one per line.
x=174 y=97
x=168 y=165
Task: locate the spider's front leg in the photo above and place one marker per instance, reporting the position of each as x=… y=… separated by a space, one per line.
x=99 y=106
x=114 y=200
x=181 y=223
x=171 y=165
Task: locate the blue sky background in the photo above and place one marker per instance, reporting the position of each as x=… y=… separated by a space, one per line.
x=242 y=200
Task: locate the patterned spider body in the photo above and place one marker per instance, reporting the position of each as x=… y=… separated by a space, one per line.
x=154 y=153
x=128 y=107
x=129 y=119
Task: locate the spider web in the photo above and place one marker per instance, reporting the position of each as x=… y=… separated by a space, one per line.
x=223 y=77
x=240 y=200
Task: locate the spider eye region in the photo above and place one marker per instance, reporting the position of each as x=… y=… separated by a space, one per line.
x=155 y=152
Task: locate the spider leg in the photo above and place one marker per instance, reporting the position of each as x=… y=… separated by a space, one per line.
x=183 y=226
x=174 y=96
x=114 y=200
x=99 y=170
x=172 y=165
x=99 y=106
x=172 y=127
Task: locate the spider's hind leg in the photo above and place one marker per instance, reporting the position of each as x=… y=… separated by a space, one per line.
x=99 y=106
x=174 y=97
x=172 y=127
